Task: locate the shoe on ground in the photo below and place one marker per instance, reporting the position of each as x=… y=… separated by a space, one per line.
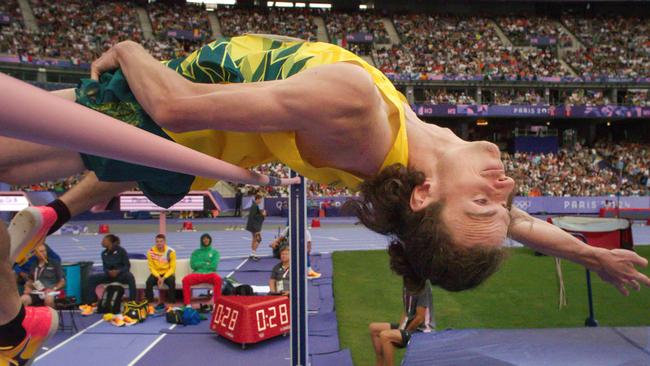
x=129 y=321
x=312 y=275
x=28 y=230
x=87 y=310
x=254 y=258
x=118 y=321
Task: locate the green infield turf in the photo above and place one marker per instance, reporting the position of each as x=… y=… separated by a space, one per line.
x=523 y=294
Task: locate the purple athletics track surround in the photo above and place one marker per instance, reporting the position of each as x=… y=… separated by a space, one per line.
x=154 y=343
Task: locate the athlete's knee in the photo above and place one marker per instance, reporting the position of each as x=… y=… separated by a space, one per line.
x=386 y=336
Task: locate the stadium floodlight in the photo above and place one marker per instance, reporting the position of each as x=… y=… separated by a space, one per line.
x=320 y=5
x=283 y=4
x=363 y=6
x=300 y=5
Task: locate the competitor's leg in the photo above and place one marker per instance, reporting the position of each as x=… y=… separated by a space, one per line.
x=30 y=227
x=375 y=329
x=9 y=299
x=23 y=162
x=91 y=191
x=22 y=330
x=390 y=338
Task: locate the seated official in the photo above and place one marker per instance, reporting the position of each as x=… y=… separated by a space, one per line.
x=116 y=265
x=417 y=317
x=280 y=281
x=46 y=278
x=22 y=272
x=204 y=263
x=283 y=239
x=162 y=265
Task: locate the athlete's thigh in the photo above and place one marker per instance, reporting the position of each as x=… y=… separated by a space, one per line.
x=37 y=162
x=28 y=163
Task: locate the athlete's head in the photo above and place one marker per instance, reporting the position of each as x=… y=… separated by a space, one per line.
x=110 y=241
x=447 y=228
x=206 y=240
x=161 y=241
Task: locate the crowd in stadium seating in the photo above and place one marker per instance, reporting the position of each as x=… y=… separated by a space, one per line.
x=605 y=169
x=447 y=97
x=431 y=45
x=58 y=186
x=165 y=17
x=613 y=46
x=299 y=24
x=639 y=98
x=11 y=35
x=521 y=29
x=74 y=31
x=515 y=96
x=501 y=96
x=340 y=24
x=174 y=17
x=585 y=97
x=453 y=46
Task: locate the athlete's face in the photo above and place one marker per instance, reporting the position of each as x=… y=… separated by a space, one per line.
x=477 y=194
x=160 y=243
x=106 y=243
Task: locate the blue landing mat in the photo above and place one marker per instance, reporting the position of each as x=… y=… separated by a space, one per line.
x=340 y=358
x=531 y=347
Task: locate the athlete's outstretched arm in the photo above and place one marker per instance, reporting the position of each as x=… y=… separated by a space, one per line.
x=334 y=93
x=614 y=266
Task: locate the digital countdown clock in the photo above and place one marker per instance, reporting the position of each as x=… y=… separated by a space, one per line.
x=251 y=319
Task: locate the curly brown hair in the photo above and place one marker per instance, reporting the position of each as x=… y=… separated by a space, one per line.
x=421 y=245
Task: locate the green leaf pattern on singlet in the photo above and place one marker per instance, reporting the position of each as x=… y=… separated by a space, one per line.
x=213 y=63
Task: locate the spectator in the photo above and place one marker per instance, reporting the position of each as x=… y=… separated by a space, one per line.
x=204 y=262
x=417 y=317
x=239 y=195
x=162 y=264
x=46 y=279
x=254 y=225
x=116 y=267
x=280 y=280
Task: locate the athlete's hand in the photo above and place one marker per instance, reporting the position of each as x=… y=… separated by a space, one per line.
x=617 y=267
x=109 y=60
x=290 y=181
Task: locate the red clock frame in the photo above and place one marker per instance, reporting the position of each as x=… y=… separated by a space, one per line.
x=251 y=319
